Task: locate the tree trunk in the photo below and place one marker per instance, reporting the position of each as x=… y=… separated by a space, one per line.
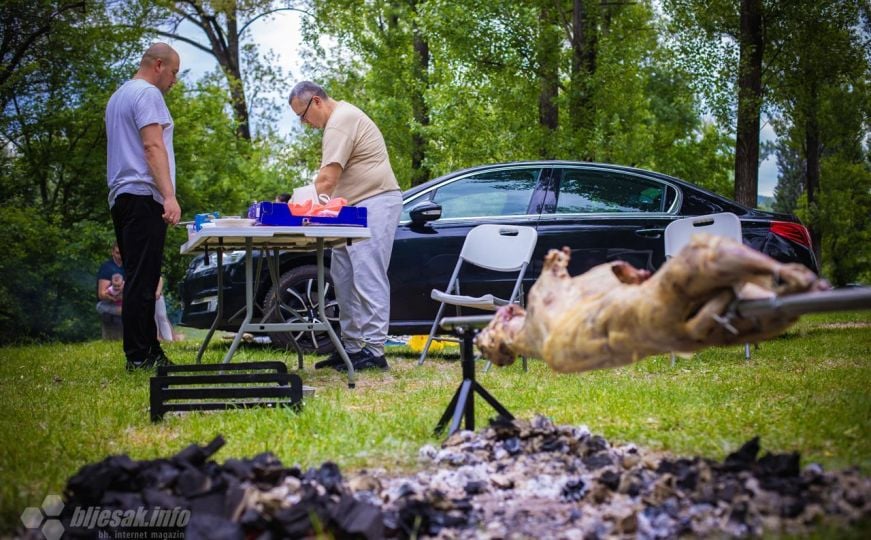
x=583 y=43
x=812 y=175
x=234 y=77
x=548 y=76
x=752 y=45
x=224 y=46
x=420 y=172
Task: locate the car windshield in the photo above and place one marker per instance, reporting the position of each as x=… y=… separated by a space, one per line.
x=585 y=191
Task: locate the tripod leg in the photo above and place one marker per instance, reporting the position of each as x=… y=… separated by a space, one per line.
x=463 y=402
x=449 y=411
x=464 y=405
x=492 y=401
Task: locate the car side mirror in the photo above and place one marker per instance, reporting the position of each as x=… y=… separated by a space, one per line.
x=425 y=212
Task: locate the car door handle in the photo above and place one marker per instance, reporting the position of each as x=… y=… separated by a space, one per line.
x=649 y=233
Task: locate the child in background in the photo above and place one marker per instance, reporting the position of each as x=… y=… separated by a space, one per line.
x=116 y=287
x=116 y=291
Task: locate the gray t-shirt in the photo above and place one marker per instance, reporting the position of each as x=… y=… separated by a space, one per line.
x=135 y=105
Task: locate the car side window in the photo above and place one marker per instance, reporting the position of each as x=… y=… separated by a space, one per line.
x=587 y=191
x=491 y=193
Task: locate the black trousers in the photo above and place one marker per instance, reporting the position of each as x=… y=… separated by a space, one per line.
x=141 y=233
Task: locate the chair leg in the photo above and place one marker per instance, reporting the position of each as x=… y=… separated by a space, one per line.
x=489 y=364
x=432 y=333
x=746 y=351
x=426 y=347
x=672 y=359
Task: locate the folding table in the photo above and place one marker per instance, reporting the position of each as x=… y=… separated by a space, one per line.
x=298 y=238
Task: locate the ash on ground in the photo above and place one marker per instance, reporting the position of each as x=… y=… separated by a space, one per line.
x=515 y=479
x=533 y=479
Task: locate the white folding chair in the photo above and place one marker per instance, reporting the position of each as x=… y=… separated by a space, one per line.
x=679 y=232
x=502 y=248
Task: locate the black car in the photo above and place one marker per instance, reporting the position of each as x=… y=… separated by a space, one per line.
x=602 y=212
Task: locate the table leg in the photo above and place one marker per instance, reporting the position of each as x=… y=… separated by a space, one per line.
x=322 y=310
x=219 y=310
x=249 y=300
x=274 y=264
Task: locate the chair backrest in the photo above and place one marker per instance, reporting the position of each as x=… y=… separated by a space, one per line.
x=679 y=231
x=499 y=247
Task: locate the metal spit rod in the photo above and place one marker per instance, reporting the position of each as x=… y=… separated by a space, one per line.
x=848 y=299
x=858 y=298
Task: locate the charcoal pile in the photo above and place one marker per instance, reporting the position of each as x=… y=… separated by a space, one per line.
x=257 y=497
x=525 y=479
x=515 y=479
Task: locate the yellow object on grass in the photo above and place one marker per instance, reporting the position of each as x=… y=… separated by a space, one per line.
x=416 y=343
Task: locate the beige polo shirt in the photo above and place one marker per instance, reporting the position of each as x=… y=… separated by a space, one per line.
x=352 y=140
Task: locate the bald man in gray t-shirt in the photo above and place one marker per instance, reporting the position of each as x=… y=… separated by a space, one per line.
x=141 y=180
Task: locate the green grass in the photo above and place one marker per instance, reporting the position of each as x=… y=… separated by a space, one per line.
x=64 y=406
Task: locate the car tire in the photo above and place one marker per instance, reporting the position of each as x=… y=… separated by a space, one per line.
x=298 y=302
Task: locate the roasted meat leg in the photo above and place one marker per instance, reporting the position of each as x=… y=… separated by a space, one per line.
x=615 y=314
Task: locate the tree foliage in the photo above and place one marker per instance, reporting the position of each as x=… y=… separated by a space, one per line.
x=54 y=213
x=502 y=83
x=222 y=25
x=52 y=165
x=790 y=180
x=53 y=100
x=825 y=46
x=726 y=45
x=811 y=51
x=451 y=84
x=844 y=214
x=840 y=213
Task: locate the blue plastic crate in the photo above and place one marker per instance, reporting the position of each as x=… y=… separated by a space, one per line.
x=271 y=213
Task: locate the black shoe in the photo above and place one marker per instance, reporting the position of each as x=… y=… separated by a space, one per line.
x=159 y=360
x=334 y=360
x=151 y=361
x=365 y=359
x=136 y=365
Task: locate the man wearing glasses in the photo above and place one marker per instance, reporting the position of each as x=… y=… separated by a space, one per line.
x=356 y=167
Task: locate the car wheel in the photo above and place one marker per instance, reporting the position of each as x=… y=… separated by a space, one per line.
x=298 y=302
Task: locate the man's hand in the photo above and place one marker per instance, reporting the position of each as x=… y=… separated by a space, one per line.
x=171 y=211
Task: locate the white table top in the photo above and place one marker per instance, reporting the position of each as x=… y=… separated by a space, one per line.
x=298 y=237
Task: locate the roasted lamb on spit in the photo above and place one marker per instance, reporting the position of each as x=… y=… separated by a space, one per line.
x=615 y=314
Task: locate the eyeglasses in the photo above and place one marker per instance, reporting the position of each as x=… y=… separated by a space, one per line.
x=302 y=116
